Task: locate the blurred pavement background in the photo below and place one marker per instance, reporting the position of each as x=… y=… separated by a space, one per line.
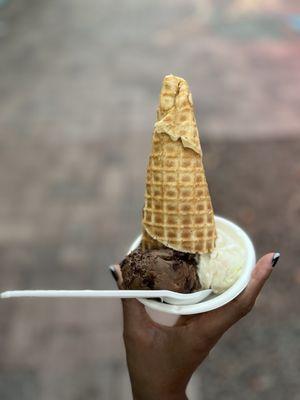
x=79 y=85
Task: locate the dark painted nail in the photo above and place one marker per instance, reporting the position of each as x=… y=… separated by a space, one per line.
x=113 y=272
x=275 y=259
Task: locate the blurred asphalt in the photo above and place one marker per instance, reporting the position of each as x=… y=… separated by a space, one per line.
x=79 y=83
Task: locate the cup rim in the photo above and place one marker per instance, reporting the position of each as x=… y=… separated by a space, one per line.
x=221 y=299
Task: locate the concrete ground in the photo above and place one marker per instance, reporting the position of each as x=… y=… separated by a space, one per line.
x=78 y=91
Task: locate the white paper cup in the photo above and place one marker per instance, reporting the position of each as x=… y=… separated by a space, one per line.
x=214 y=300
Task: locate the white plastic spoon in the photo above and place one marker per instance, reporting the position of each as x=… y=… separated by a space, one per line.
x=166 y=296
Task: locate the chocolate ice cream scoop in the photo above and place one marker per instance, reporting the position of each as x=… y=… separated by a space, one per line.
x=163 y=269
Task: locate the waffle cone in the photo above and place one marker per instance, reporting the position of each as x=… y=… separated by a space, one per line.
x=178 y=211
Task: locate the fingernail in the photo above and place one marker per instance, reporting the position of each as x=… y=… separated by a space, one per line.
x=113 y=272
x=275 y=259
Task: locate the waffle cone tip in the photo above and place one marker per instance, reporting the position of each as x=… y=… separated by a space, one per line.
x=175 y=114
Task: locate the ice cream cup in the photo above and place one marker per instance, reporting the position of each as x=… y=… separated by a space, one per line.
x=214 y=300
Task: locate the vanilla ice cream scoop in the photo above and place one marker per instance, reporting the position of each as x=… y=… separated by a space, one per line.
x=221 y=268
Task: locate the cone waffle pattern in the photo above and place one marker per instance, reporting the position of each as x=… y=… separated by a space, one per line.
x=178 y=211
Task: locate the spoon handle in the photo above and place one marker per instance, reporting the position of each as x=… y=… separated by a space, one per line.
x=87 y=293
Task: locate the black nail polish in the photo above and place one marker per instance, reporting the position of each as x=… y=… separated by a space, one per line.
x=113 y=272
x=275 y=259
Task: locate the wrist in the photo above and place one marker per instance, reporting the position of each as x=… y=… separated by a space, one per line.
x=148 y=392
x=154 y=395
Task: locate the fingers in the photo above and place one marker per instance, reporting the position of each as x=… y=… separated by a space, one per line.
x=133 y=311
x=220 y=320
x=116 y=274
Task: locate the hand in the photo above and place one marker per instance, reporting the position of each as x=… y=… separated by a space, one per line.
x=162 y=359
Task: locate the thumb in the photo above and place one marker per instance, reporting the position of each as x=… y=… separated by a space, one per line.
x=221 y=319
x=246 y=300
x=260 y=274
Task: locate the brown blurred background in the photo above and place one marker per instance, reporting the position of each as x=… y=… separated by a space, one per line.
x=79 y=84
